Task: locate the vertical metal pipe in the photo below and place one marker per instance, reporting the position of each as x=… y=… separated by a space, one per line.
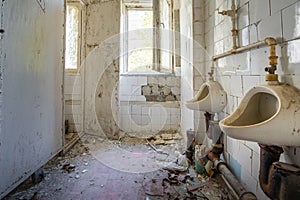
x=234 y=29
x=268 y=155
x=278 y=180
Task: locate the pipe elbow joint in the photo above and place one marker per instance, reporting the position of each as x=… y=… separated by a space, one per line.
x=270 y=41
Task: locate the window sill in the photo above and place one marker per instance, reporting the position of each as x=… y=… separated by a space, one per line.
x=71 y=71
x=146 y=74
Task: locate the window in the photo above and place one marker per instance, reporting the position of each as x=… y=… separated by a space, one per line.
x=73 y=36
x=145 y=49
x=165 y=64
x=140 y=48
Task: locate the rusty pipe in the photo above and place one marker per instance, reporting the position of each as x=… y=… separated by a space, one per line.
x=268 y=155
x=234 y=31
x=222 y=168
x=278 y=180
x=271 y=42
x=232 y=13
x=208 y=117
x=267 y=41
x=290 y=180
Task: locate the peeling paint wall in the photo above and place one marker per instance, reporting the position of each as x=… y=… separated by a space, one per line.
x=31 y=91
x=102 y=68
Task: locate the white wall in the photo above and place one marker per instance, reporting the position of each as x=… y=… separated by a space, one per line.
x=101 y=68
x=32 y=78
x=186 y=30
x=257 y=19
x=73 y=101
x=201 y=61
x=73 y=82
x=144 y=118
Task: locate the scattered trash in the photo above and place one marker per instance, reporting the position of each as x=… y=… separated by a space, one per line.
x=153 y=188
x=173 y=167
x=192 y=188
x=38 y=176
x=68 y=167
x=182 y=160
x=155 y=149
x=69 y=136
x=177 y=181
x=201 y=160
x=35 y=196
x=200 y=167
x=209 y=168
x=92 y=182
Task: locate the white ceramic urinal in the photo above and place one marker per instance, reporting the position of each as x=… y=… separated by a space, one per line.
x=210 y=98
x=268 y=114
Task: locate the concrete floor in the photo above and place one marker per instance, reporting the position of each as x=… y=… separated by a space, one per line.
x=117 y=170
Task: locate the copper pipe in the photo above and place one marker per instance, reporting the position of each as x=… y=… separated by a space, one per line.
x=234 y=31
x=232 y=13
x=271 y=42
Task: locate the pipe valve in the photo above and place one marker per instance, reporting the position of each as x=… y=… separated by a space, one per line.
x=226 y=12
x=271 y=69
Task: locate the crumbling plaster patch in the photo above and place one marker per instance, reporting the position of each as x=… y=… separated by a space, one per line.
x=102 y=68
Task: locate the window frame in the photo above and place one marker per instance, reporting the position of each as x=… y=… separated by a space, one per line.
x=127 y=5
x=127 y=8
x=80 y=6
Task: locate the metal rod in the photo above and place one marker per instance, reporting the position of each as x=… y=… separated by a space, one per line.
x=222 y=168
x=233 y=181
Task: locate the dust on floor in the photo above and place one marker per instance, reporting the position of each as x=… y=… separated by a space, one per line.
x=127 y=169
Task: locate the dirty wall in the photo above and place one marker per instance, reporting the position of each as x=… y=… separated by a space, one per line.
x=101 y=68
x=239 y=73
x=186 y=29
x=31 y=87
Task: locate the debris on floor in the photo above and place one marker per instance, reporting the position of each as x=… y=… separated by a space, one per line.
x=154 y=188
x=99 y=169
x=68 y=167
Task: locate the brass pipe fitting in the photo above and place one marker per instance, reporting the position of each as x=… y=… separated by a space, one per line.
x=271 y=42
x=273 y=60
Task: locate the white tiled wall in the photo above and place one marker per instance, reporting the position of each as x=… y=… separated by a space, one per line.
x=257 y=19
x=143 y=118
x=73 y=106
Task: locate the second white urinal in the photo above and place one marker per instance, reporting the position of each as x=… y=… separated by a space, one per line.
x=268 y=114
x=210 y=98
